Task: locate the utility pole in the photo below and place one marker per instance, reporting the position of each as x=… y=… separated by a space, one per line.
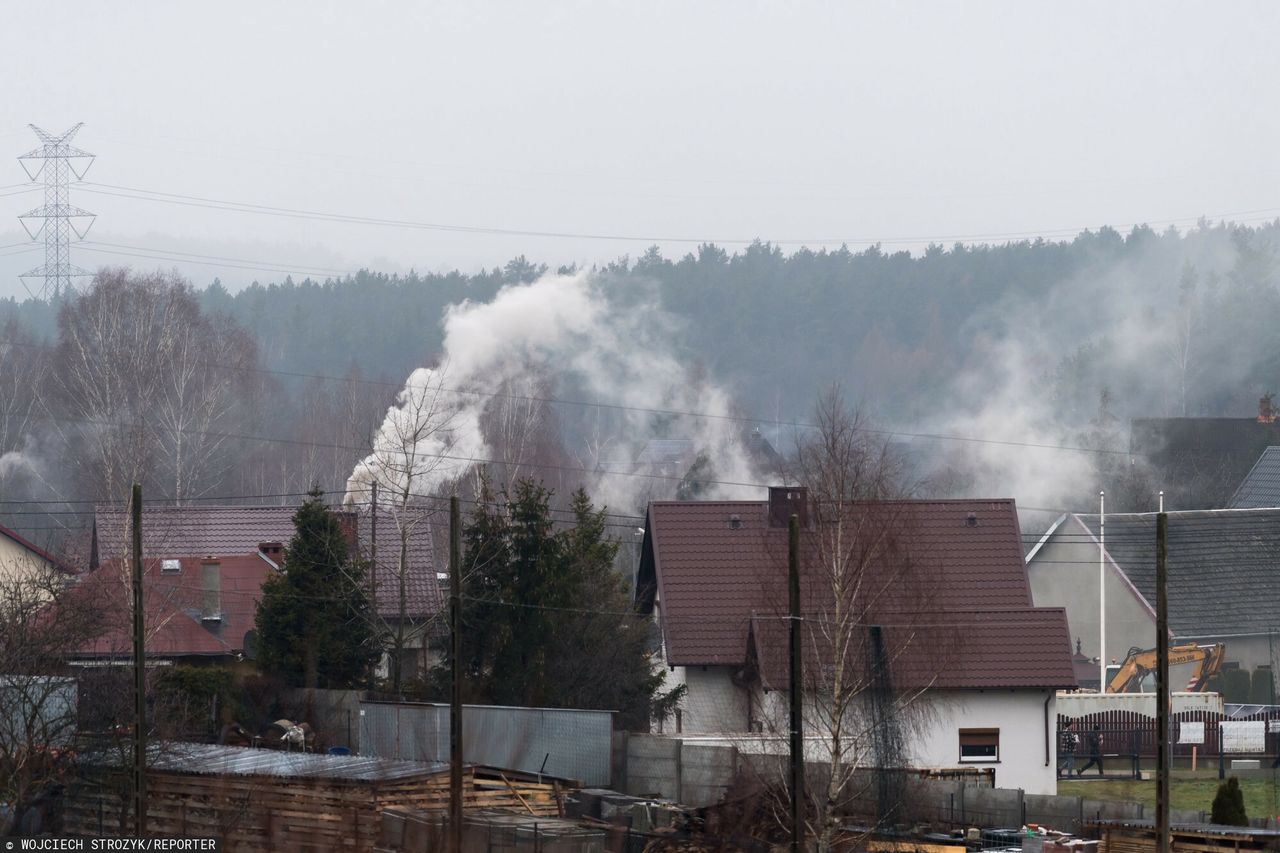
x=373 y=572
x=1102 y=592
x=797 y=689
x=455 y=688
x=139 y=676
x=1162 y=684
x=56 y=160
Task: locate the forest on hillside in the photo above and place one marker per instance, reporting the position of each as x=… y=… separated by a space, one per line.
x=1030 y=342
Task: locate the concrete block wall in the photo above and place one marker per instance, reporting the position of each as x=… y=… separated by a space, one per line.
x=653 y=767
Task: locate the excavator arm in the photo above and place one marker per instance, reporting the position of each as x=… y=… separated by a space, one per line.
x=1142 y=662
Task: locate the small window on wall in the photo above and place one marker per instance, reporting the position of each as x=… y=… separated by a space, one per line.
x=979 y=744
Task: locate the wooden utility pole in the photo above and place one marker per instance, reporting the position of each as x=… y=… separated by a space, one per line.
x=797 y=689
x=455 y=689
x=139 y=676
x=1162 y=684
x=373 y=547
x=373 y=574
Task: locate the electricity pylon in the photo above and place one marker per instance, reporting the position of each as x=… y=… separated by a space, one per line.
x=56 y=160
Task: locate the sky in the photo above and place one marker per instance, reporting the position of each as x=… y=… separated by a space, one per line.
x=803 y=123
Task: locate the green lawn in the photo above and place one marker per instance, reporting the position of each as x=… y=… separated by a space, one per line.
x=1261 y=797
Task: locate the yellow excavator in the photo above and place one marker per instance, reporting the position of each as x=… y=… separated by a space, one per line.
x=1142 y=662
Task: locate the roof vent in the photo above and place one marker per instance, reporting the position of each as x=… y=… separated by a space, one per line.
x=735 y=522
x=972 y=519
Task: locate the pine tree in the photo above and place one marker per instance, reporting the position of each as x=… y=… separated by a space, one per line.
x=547 y=620
x=313 y=620
x=1228 y=804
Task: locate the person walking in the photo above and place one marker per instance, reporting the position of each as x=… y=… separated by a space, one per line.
x=1095 y=750
x=1067 y=756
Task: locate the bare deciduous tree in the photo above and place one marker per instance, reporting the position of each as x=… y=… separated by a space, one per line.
x=408 y=459
x=865 y=584
x=40 y=623
x=148 y=385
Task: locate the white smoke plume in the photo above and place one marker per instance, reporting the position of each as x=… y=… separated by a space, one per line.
x=14 y=462
x=1039 y=362
x=564 y=333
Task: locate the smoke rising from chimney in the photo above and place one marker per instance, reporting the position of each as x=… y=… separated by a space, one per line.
x=569 y=334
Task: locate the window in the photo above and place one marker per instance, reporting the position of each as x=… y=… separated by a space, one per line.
x=170 y=567
x=979 y=744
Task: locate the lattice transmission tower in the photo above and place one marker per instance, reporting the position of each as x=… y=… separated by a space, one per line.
x=56 y=160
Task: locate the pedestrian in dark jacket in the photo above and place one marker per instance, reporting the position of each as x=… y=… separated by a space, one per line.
x=1094 y=741
x=1067 y=750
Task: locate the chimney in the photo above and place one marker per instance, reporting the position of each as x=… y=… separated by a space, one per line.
x=272 y=552
x=785 y=501
x=349 y=523
x=210 y=592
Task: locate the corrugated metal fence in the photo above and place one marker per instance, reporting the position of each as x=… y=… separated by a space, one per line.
x=567 y=743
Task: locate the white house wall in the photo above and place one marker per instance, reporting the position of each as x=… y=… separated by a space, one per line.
x=1020 y=717
x=713 y=707
x=16 y=562
x=712 y=703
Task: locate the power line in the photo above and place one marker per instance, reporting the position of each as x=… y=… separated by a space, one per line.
x=212 y=260
x=298 y=213
x=141 y=194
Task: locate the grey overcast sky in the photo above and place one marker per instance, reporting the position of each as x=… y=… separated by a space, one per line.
x=798 y=122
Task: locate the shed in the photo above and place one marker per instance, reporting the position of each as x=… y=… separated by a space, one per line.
x=1139 y=836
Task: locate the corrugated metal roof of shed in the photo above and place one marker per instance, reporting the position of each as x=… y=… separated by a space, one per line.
x=203 y=759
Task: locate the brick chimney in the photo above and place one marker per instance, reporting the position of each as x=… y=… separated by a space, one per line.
x=785 y=501
x=349 y=523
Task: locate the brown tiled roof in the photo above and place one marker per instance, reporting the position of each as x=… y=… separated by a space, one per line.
x=422 y=590
x=956 y=650
x=224 y=531
x=717 y=566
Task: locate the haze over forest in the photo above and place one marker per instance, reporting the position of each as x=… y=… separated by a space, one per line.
x=943 y=210
x=1029 y=343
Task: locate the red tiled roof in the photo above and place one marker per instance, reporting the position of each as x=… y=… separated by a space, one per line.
x=717 y=566
x=224 y=531
x=172 y=607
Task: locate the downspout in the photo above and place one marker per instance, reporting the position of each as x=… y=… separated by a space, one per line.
x=1046 y=728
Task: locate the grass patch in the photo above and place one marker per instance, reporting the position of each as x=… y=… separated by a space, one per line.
x=1260 y=795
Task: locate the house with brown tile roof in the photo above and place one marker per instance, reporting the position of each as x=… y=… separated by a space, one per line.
x=195 y=609
x=942 y=611
x=234 y=548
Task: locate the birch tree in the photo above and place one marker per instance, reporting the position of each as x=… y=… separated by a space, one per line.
x=409 y=458
x=861 y=565
x=148 y=386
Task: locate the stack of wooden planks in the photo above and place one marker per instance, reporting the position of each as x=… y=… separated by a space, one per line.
x=1140 y=837
x=255 y=800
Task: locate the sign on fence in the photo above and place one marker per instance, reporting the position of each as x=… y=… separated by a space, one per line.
x=1243 y=735
x=1191 y=732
